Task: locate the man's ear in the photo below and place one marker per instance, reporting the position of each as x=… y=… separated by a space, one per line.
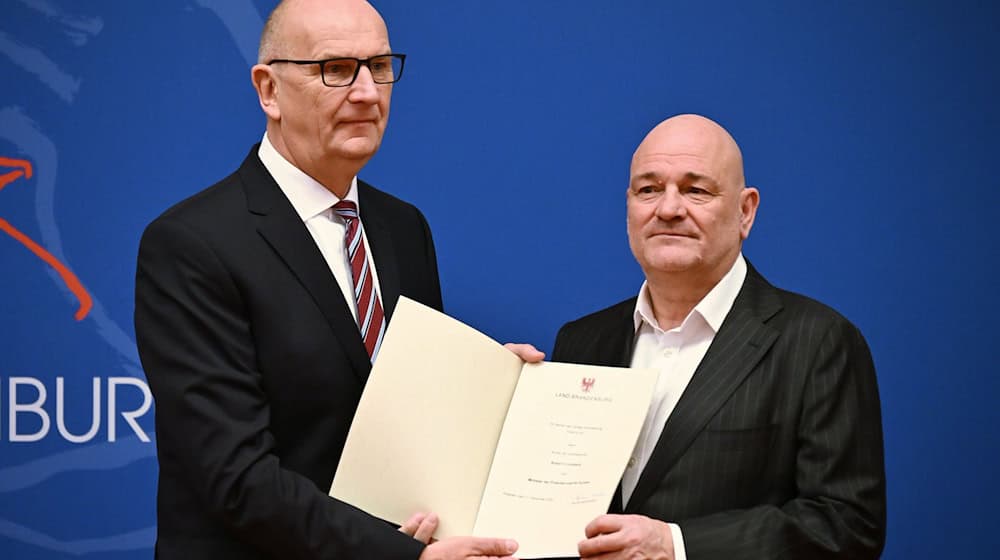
x=264 y=82
x=749 y=200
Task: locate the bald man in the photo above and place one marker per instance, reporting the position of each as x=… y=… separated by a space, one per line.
x=260 y=303
x=764 y=436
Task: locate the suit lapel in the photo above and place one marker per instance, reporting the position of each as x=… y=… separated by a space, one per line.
x=616 y=351
x=738 y=347
x=380 y=242
x=281 y=227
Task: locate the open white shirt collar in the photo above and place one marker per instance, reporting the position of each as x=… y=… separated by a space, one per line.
x=712 y=308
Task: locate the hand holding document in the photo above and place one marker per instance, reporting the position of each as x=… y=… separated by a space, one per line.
x=452 y=422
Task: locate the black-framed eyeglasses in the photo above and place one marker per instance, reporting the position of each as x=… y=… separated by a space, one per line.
x=342 y=71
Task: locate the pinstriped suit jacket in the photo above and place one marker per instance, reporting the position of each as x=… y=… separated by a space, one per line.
x=775 y=448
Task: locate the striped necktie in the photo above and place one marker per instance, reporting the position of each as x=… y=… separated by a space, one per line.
x=371 y=320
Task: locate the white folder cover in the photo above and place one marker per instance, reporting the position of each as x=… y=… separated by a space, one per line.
x=451 y=422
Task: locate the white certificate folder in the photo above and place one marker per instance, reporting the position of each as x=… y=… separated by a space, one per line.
x=451 y=422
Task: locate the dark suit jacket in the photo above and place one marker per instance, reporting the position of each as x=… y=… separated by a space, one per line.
x=256 y=366
x=775 y=448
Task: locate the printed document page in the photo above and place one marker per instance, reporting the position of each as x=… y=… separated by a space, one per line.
x=570 y=430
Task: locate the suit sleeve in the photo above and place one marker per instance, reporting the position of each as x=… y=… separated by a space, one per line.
x=212 y=414
x=839 y=507
x=434 y=299
x=566 y=348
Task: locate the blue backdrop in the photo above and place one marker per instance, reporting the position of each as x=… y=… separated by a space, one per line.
x=869 y=127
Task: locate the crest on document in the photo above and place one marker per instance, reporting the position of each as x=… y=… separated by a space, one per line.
x=586 y=384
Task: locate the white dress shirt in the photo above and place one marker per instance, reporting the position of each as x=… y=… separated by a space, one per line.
x=314 y=205
x=676 y=354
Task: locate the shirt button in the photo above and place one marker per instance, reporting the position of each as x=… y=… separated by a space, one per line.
x=668 y=352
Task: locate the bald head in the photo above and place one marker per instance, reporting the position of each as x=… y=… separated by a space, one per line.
x=290 y=18
x=695 y=136
x=689 y=211
x=328 y=132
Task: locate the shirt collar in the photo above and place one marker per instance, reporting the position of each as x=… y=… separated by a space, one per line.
x=308 y=196
x=713 y=308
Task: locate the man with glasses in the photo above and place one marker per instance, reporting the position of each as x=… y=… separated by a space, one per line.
x=261 y=303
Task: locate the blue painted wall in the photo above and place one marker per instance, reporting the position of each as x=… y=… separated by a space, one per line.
x=869 y=127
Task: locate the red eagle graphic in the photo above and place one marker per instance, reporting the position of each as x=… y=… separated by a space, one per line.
x=22 y=168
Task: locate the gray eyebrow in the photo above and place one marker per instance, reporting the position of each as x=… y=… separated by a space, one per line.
x=650 y=175
x=689 y=176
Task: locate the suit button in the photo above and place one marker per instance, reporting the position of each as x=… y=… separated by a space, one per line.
x=631 y=462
